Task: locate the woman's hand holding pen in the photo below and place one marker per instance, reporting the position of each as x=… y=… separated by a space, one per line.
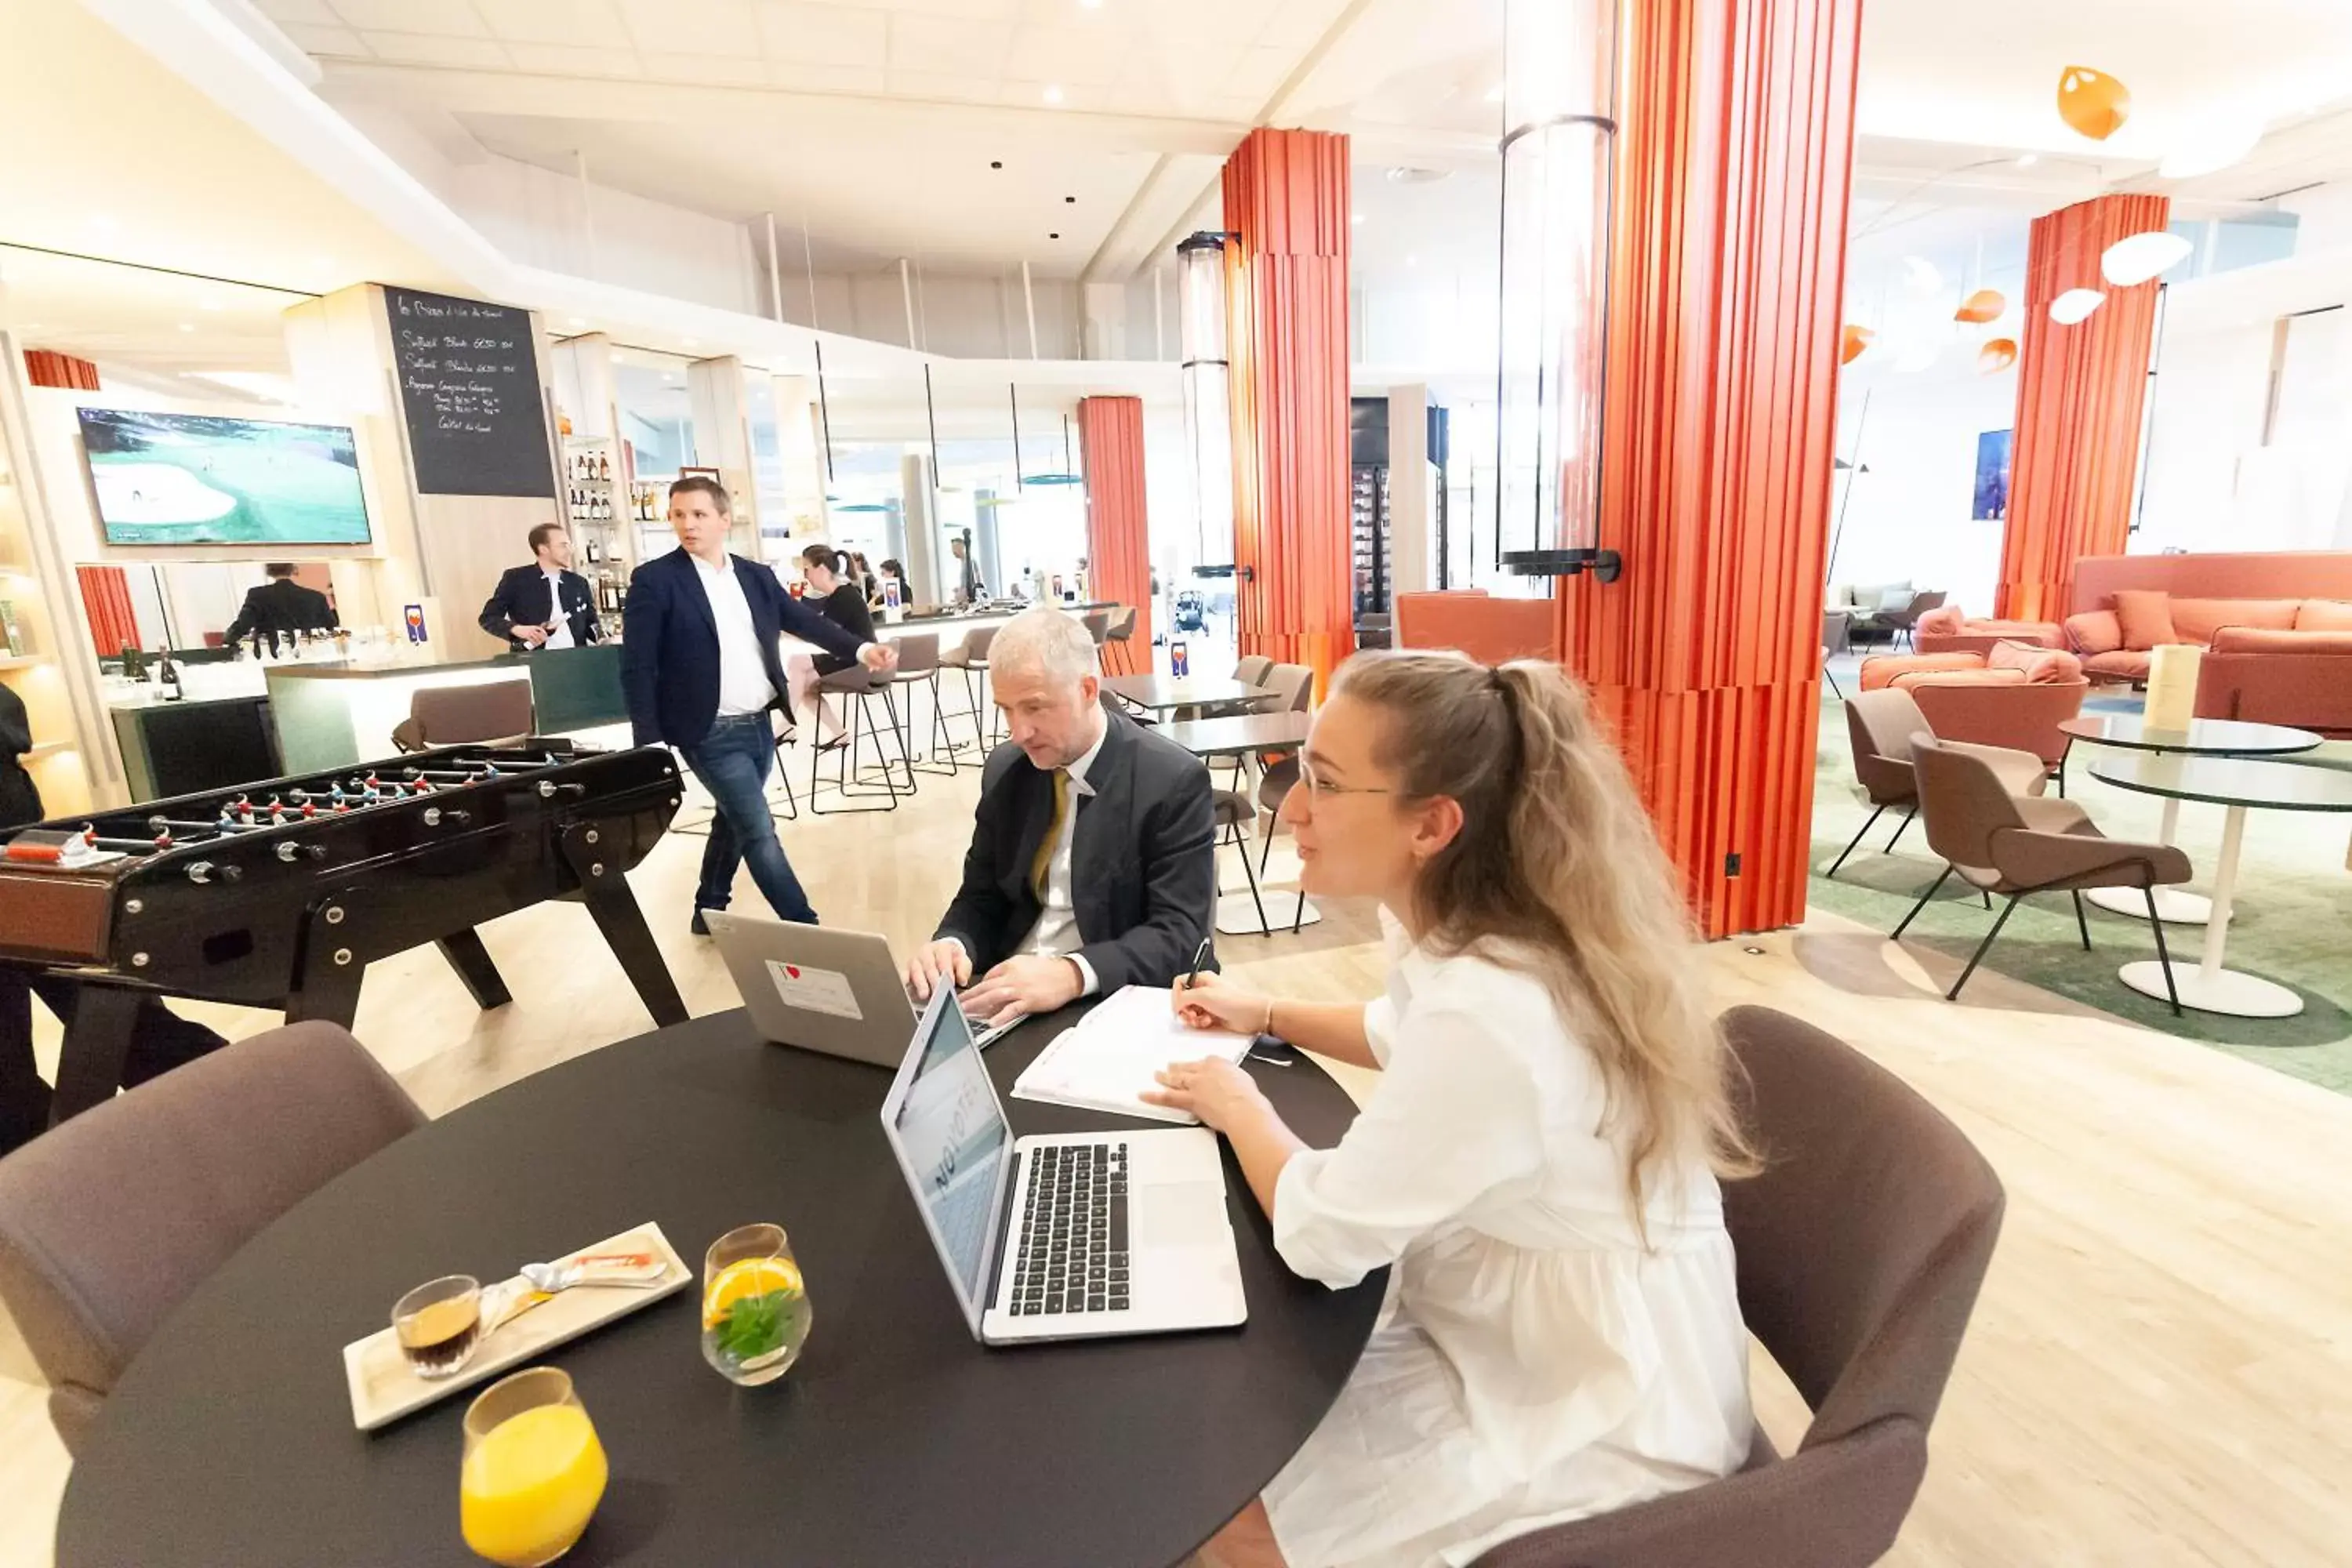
x=1212 y=1002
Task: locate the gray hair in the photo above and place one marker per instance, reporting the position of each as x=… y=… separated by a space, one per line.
x=1044 y=639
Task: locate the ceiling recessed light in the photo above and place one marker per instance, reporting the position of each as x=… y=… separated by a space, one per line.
x=1355 y=217
x=1071 y=200
x=1495 y=93
x=1056 y=235
x=1052 y=95
x=996 y=162
x=2027 y=160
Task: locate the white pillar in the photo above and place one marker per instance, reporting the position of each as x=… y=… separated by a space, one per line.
x=1105 y=306
x=800 y=449
x=1413 y=526
x=927 y=560
x=722 y=440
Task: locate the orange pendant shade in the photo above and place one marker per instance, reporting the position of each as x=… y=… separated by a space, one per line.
x=2092 y=102
x=1984 y=305
x=1997 y=356
x=1851 y=345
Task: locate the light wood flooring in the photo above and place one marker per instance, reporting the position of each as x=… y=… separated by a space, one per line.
x=2159 y=1371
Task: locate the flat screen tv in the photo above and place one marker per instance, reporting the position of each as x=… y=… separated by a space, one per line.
x=199 y=478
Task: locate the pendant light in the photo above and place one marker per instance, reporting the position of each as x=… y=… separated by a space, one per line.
x=1996 y=357
x=1984 y=305
x=2092 y=102
x=2137 y=257
x=1853 y=342
x=2076 y=305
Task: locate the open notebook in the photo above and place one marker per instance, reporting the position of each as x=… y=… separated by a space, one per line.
x=1112 y=1055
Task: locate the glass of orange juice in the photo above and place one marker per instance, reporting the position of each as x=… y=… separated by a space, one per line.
x=755 y=1310
x=533 y=1472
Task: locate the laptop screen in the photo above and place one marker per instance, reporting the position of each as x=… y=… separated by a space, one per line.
x=953 y=1140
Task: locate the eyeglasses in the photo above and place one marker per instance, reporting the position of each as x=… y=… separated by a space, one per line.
x=1317 y=789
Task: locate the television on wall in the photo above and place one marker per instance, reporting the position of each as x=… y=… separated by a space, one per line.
x=200 y=479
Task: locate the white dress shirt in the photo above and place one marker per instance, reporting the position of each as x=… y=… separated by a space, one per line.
x=1535 y=1362
x=559 y=634
x=1055 y=934
x=743 y=683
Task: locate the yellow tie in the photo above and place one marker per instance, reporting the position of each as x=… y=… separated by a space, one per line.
x=1040 y=870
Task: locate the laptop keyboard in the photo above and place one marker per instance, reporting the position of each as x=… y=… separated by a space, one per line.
x=1072 y=1255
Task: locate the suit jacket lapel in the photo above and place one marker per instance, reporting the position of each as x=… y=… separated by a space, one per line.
x=690 y=578
x=1101 y=831
x=1031 y=812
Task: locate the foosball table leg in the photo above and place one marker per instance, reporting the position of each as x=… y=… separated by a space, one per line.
x=471 y=960
x=97 y=1045
x=606 y=891
x=328 y=974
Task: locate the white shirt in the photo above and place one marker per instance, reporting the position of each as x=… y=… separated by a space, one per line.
x=743 y=683
x=1055 y=934
x=1534 y=1362
x=560 y=635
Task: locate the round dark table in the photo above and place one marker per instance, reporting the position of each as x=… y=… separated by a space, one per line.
x=2204 y=737
x=897 y=1440
x=2238 y=784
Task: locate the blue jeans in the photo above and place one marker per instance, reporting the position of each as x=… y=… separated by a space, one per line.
x=732 y=762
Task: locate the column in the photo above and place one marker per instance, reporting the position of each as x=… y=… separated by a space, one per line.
x=1411 y=490
x=1285 y=194
x=722 y=440
x=1734 y=153
x=2075 y=459
x=1118 y=532
x=800 y=450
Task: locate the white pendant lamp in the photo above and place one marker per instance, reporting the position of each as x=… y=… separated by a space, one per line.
x=2075 y=305
x=2137 y=257
x=2215 y=142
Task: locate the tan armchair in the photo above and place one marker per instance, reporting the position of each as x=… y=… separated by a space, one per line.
x=1879 y=727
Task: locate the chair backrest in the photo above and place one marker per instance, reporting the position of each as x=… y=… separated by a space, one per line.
x=109 y=1221
x=1879 y=725
x=976 y=642
x=1123 y=627
x=1961 y=803
x=1861 y=1247
x=1251 y=667
x=918 y=653
x=2023 y=718
x=459 y=715
x=1294 y=689
x=1097 y=624
x=1833 y=627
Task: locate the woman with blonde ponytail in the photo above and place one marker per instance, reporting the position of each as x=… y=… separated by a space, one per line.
x=1539 y=1162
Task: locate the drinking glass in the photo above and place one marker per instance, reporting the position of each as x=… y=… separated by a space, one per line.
x=533 y=1472
x=438 y=1324
x=755 y=1310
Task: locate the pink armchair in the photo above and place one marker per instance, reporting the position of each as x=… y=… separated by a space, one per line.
x=1948 y=629
x=2303 y=679
x=2021 y=717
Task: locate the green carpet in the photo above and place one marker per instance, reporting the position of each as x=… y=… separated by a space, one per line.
x=2293 y=922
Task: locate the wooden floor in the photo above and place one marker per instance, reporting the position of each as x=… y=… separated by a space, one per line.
x=2159 y=1371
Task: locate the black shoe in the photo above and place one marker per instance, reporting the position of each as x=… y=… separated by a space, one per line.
x=698 y=926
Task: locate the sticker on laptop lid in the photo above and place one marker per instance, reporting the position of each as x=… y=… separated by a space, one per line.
x=815 y=990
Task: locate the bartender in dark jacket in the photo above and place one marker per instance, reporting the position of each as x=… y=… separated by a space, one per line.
x=546 y=604
x=159 y=1038
x=280 y=607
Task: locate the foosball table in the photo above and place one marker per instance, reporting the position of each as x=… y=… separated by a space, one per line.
x=281 y=894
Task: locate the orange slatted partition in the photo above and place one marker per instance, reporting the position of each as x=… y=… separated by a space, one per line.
x=2080 y=393
x=106 y=600
x=1735 y=157
x=1287 y=313
x=46 y=367
x=1118 y=533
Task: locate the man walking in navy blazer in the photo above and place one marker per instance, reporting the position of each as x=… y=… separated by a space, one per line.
x=699 y=664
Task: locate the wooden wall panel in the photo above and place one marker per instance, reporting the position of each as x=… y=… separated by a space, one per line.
x=2080 y=390
x=1735 y=158
x=1285 y=194
x=1118 y=530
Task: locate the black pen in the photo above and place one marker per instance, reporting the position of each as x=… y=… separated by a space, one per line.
x=1199 y=956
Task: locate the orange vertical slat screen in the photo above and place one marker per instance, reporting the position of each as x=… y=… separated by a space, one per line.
x=2080 y=392
x=1735 y=156
x=1287 y=347
x=1118 y=532
x=46 y=367
x=106 y=600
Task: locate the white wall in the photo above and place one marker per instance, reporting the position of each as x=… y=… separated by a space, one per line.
x=1908 y=517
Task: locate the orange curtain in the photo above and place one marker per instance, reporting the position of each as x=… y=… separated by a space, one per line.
x=1287 y=347
x=46 y=367
x=1735 y=157
x=106 y=600
x=2080 y=393
x=1118 y=532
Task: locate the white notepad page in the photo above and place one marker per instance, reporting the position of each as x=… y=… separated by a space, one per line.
x=1116 y=1052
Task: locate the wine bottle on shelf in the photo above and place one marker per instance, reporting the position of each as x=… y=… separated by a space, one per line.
x=604 y=468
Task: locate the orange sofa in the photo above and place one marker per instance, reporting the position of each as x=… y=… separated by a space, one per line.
x=2012 y=694
x=2123 y=606
x=1490 y=630
x=1946 y=629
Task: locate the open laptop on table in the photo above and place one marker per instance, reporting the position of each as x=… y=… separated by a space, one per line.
x=837 y=992
x=1057 y=1236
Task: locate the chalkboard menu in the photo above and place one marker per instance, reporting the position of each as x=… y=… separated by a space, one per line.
x=470 y=387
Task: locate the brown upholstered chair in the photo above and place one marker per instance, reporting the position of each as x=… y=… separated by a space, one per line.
x=2001 y=843
x=1119 y=642
x=1879 y=726
x=1251 y=667
x=461 y=715
x=1861 y=1247
x=1233 y=812
x=109 y=1221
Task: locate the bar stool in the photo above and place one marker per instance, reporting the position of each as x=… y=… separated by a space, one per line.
x=918 y=665
x=1121 y=639
x=861 y=686
x=1097 y=624
x=972 y=659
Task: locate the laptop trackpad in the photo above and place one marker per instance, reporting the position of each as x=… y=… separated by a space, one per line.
x=1180 y=1214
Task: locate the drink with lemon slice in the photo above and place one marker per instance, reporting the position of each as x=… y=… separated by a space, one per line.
x=755 y=1309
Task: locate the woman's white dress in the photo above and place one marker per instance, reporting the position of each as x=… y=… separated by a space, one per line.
x=1534 y=1362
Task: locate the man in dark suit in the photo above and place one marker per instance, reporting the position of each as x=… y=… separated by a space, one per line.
x=1093 y=860
x=701 y=666
x=545 y=604
x=280 y=607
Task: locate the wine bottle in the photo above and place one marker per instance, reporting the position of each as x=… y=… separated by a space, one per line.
x=604 y=469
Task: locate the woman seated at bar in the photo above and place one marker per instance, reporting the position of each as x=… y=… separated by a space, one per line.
x=892 y=573
x=1537 y=1163
x=843 y=603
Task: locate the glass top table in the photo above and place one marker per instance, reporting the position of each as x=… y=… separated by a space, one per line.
x=2204 y=737
x=2240 y=784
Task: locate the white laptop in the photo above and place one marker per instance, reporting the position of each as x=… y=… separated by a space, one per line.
x=837 y=992
x=1061 y=1236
